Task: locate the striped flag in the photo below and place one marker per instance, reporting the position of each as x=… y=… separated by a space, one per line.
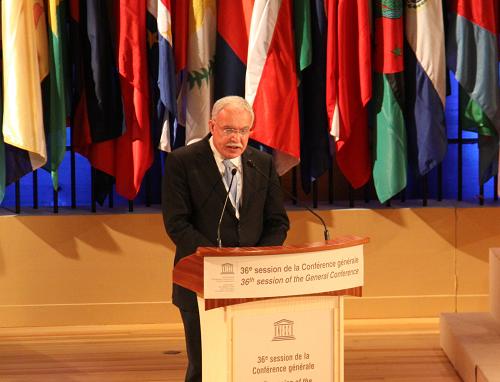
x=56 y=137
x=302 y=28
x=24 y=36
x=349 y=86
x=167 y=108
x=389 y=134
x=271 y=81
x=425 y=78
x=472 y=53
x=233 y=28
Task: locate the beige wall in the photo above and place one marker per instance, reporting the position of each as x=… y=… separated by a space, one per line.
x=112 y=269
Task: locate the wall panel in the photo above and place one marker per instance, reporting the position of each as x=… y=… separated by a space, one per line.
x=92 y=269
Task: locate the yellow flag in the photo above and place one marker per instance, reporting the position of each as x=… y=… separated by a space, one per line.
x=25 y=65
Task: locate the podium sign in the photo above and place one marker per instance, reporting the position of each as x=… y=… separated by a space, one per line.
x=279 y=275
x=284 y=347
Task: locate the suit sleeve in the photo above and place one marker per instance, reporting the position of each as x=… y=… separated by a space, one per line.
x=276 y=223
x=177 y=208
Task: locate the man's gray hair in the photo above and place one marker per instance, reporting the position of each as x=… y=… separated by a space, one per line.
x=235 y=101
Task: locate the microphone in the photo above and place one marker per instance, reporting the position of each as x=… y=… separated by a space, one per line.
x=219 y=240
x=326 y=233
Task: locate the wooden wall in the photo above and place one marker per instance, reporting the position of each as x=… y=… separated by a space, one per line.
x=93 y=269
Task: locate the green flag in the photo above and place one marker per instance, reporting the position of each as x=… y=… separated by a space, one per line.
x=389 y=134
x=56 y=132
x=472 y=49
x=473 y=118
x=302 y=26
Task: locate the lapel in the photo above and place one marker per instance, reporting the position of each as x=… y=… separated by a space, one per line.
x=248 y=180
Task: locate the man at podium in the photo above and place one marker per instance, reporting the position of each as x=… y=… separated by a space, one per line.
x=219 y=192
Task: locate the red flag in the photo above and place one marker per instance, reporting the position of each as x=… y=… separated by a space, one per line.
x=349 y=85
x=271 y=81
x=180 y=27
x=233 y=25
x=477 y=13
x=134 y=154
x=233 y=28
x=128 y=157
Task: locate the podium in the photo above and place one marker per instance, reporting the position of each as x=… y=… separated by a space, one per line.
x=274 y=314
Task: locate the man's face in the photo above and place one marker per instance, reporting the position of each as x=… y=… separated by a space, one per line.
x=230 y=131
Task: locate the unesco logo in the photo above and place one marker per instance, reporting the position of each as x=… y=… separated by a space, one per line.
x=227 y=269
x=283 y=330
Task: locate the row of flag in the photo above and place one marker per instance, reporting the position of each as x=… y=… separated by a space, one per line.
x=362 y=80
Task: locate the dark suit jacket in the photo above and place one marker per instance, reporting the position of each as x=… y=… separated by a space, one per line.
x=193 y=197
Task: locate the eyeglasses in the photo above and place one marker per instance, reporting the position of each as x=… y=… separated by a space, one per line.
x=230 y=130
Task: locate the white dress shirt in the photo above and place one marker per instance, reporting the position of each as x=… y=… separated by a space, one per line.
x=237 y=164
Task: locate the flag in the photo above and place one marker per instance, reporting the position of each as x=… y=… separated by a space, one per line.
x=153 y=70
x=167 y=107
x=498 y=65
x=158 y=115
x=2 y=145
x=133 y=153
x=233 y=28
x=473 y=118
x=389 y=134
x=180 y=29
x=97 y=111
x=128 y=157
x=75 y=59
x=425 y=78
x=24 y=36
x=472 y=52
x=348 y=86
x=2 y=167
x=56 y=137
x=101 y=82
x=96 y=98
x=197 y=83
x=271 y=81
x=302 y=27
x=315 y=156
x=180 y=36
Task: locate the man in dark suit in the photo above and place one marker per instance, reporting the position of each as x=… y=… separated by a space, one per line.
x=196 y=181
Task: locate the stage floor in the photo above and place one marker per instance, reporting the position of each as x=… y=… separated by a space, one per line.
x=375 y=350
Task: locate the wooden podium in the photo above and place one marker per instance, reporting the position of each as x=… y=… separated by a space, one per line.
x=274 y=314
